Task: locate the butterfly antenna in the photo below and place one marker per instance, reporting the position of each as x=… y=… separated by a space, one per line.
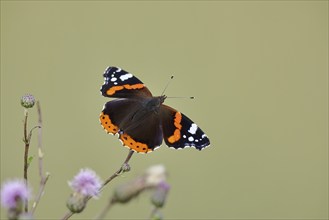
x=167 y=85
x=181 y=97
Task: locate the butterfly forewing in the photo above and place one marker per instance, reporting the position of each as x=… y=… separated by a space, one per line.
x=119 y=83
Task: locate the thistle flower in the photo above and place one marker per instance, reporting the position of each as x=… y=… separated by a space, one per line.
x=86 y=183
x=28 y=101
x=14 y=194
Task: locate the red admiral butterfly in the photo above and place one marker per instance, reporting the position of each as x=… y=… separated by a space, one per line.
x=142 y=120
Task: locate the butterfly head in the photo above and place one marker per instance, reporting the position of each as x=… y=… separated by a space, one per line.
x=154 y=103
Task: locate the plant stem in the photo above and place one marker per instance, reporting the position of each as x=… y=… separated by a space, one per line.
x=118 y=172
x=43 y=177
x=40 y=153
x=42 y=186
x=26 y=153
x=154 y=210
x=106 y=209
x=68 y=215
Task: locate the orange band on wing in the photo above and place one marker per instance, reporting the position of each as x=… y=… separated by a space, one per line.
x=107 y=124
x=113 y=89
x=134 y=145
x=177 y=122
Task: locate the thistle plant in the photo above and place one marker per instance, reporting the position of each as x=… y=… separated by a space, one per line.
x=86 y=184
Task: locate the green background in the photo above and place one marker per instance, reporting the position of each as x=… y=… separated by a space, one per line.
x=258 y=70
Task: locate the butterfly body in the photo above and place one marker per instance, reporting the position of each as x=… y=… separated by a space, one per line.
x=141 y=120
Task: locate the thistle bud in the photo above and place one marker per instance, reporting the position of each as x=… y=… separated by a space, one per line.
x=125 y=192
x=159 y=196
x=76 y=202
x=28 y=101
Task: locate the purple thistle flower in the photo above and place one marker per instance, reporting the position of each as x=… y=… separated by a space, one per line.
x=86 y=182
x=14 y=193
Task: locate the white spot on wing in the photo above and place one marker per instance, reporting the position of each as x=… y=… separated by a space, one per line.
x=114 y=79
x=193 y=129
x=191 y=139
x=126 y=76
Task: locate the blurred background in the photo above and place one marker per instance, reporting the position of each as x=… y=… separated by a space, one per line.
x=258 y=70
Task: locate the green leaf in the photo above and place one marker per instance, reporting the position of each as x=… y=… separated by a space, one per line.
x=29 y=160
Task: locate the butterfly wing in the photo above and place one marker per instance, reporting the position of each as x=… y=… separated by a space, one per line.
x=179 y=131
x=138 y=128
x=119 y=83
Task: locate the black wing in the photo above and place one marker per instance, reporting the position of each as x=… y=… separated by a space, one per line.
x=119 y=83
x=179 y=131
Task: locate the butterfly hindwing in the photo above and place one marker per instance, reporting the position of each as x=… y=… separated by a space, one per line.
x=132 y=122
x=111 y=119
x=179 y=131
x=135 y=137
x=119 y=83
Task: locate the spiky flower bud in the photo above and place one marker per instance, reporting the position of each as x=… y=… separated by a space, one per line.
x=76 y=202
x=125 y=192
x=27 y=101
x=160 y=194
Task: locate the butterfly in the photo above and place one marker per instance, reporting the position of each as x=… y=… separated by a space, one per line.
x=141 y=120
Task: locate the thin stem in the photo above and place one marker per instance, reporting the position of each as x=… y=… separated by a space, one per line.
x=43 y=178
x=40 y=192
x=68 y=215
x=106 y=209
x=26 y=153
x=116 y=174
x=40 y=153
x=154 y=210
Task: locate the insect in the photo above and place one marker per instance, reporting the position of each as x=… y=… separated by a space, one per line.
x=141 y=120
